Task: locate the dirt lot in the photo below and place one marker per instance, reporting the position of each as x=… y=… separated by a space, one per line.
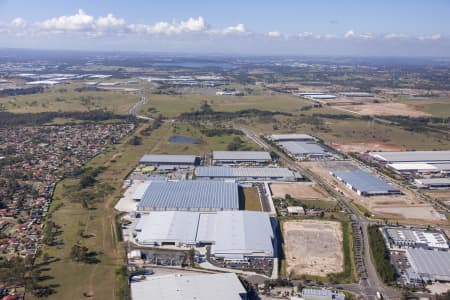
x=385 y=109
x=299 y=190
x=365 y=147
x=313 y=247
x=440 y=195
x=400 y=207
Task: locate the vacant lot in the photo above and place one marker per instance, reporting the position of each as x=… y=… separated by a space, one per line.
x=399 y=207
x=385 y=109
x=313 y=247
x=299 y=190
x=366 y=147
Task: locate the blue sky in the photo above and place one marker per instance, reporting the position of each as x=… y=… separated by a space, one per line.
x=323 y=27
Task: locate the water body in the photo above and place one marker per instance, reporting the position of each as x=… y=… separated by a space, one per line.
x=183 y=139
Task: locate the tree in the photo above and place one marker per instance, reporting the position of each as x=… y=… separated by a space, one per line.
x=135 y=141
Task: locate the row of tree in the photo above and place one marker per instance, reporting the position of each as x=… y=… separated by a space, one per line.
x=380 y=255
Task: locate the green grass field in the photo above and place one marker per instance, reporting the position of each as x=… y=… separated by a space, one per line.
x=251 y=199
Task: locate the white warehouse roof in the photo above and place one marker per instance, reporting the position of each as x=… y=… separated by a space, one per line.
x=413 y=156
x=233 y=234
x=241 y=156
x=291 y=137
x=430 y=264
x=168 y=159
x=303 y=148
x=412 y=167
x=222 y=286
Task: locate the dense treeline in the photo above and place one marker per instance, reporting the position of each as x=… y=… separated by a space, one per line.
x=22 y=91
x=222 y=115
x=220 y=132
x=380 y=255
x=31 y=119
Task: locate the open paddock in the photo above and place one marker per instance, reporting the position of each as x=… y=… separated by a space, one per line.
x=312 y=247
x=385 y=109
x=299 y=190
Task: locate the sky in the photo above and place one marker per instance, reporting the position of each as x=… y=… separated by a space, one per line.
x=287 y=27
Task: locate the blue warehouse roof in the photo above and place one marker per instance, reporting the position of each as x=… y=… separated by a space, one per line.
x=190 y=195
x=365 y=182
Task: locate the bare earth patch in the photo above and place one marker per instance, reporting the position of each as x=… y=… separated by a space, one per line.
x=365 y=147
x=313 y=247
x=385 y=109
x=299 y=190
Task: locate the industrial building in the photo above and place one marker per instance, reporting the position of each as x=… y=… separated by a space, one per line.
x=191 y=195
x=233 y=235
x=356 y=94
x=221 y=286
x=247 y=174
x=304 y=150
x=365 y=184
x=169 y=159
x=414 y=238
x=290 y=137
x=413 y=169
x=412 y=157
x=321 y=294
x=433 y=183
x=428 y=265
x=240 y=157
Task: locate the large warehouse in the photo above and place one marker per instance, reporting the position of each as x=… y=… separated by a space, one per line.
x=221 y=286
x=433 y=183
x=415 y=238
x=429 y=265
x=168 y=159
x=239 y=157
x=283 y=174
x=193 y=195
x=365 y=184
x=233 y=235
x=290 y=137
x=412 y=156
x=304 y=150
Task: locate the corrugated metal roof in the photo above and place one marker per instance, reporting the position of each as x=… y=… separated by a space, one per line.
x=413 y=156
x=412 y=166
x=242 y=232
x=222 y=286
x=365 y=182
x=431 y=262
x=168 y=226
x=190 y=195
x=302 y=148
x=168 y=159
x=242 y=155
x=223 y=172
x=232 y=233
x=434 y=180
x=291 y=137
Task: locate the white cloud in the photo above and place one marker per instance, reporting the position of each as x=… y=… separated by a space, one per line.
x=433 y=37
x=239 y=28
x=274 y=34
x=392 y=36
x=349 y=34
x=305 y=34
x=190 y=25
x=19 y=22
x=78 y=22
x=109 y=22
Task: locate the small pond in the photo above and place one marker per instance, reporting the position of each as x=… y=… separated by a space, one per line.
x=183 y=139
